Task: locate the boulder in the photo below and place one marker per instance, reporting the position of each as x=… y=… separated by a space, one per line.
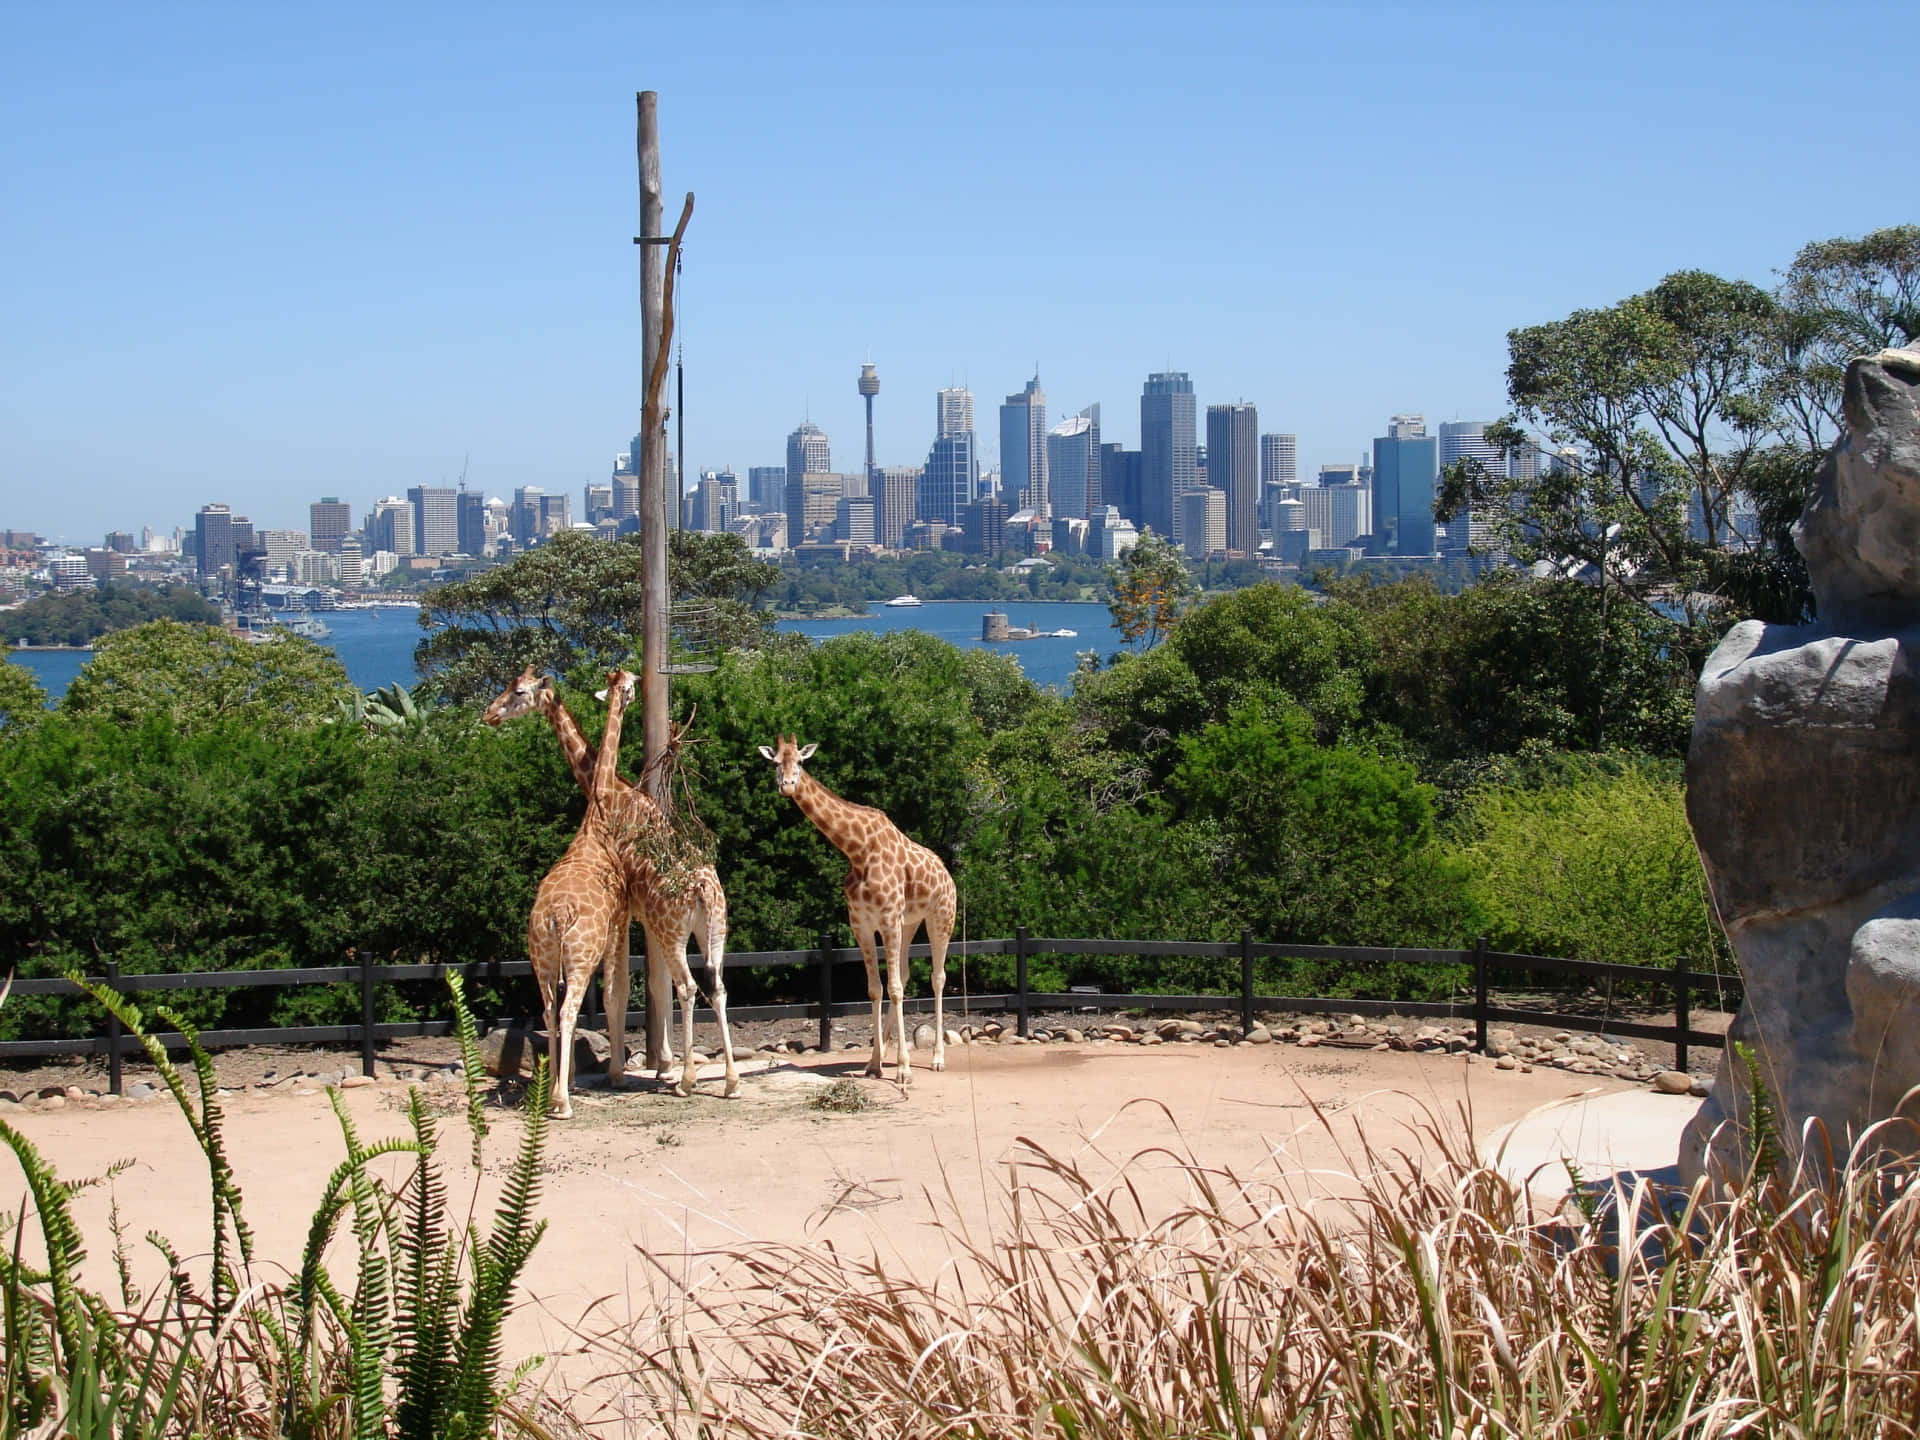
x=1673 y=1082
x=1805 y=799
x=503 y=1051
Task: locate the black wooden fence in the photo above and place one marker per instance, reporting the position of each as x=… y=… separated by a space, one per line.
x=1021 y=1000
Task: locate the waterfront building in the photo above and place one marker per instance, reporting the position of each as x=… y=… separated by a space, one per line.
x=1110 y=534
x=1023 y=448
x=1406 y=468
x=808 y=453
x=1203 y=522
x=984 y=524
x=1073 y=465
x=1233 y=449
x=281 y=546
x=329 y=521
x=1167 y=450
x=436 y=519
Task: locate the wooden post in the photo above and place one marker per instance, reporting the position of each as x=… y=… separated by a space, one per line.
x=113 y=1031
x=825 y=962
x=1480 y=994
x=1020 y=979
x=1246 y=982
x=366 y=1015
x=1682 y=1011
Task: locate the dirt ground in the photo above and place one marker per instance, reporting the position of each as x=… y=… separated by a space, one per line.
x=643 y=1184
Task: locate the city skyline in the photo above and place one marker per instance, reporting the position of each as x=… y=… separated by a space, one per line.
x=277 y=258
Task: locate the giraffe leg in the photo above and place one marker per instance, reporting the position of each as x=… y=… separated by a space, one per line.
x=712 y=919
x=682 y=978
x=937 y=937
x=615 y=984
x=569 y=1015
x=865 y=937
x=897 y=996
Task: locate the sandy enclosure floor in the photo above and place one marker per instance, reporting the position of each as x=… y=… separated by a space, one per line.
x=643 y=1183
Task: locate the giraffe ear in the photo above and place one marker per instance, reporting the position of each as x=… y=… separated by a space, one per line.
x=766 y=752
x=600 y=695
x=805 y=752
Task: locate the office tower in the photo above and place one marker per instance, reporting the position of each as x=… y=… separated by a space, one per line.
x=213 y=536
x=470 y=512
x=1233 y=450
x=1203 y=522
x=1166 y=450
x=716 y=499
x=282 y=545
x=853 y=520
x=352 y=562
x=1023 y=448
x=807 y=453
x=869 y=387
x=1467 y=440
x=984 y=526
x=1342 y=474
x=120 y=542
x=436 y=519
x=1120 y=480
x=952 y=412
x=390 y=527
x=1073 y=465
x=1524 y=463
x=329 y=521
x=625 y=485
x=1406 y=465
x=244 y=541
x=556 y=514
x=524 y=522
x=599 y=502
x=897 y=488
x=767 y=487
x=1278 y=463
x=952 y=472
x=1338 y=513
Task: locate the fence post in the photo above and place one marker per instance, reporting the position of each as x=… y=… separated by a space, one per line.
x=1246 y=982
x=825 y=962
x=1480 y=994
x=366 y=1014
x=1020 y=980
x=113 y=1031
x=1682 y=1011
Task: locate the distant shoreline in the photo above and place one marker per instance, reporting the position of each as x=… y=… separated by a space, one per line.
x=78 y=649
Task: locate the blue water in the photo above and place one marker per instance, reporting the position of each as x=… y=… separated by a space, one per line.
x=376 y=646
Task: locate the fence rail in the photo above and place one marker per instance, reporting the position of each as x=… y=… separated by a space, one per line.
x=824 y=958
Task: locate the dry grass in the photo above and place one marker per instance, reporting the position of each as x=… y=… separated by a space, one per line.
x=1437 y=1300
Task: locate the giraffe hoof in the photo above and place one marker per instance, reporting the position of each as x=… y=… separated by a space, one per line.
x=563 y=1112
x=733 y=1087
x=939 y=1062
x=874 y=1071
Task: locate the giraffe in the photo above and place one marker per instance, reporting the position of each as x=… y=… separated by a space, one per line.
x=579 y=917
x=671 y=905
x=892 y=886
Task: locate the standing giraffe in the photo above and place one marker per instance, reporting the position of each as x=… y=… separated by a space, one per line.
x=671 y=902
x=579 y=914
x=892 y=886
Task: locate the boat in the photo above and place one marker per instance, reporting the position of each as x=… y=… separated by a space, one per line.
x=310 y=626
x=1063 y=634
x=903 y=602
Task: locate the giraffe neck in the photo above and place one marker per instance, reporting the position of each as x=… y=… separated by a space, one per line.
x=837 y=819
x=606 y=766
x=573 y=744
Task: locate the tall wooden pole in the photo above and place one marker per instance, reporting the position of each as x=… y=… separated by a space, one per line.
x=653 y=516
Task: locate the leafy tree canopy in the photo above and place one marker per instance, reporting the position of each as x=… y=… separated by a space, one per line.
x=189 y=676
x=1150 y=590
x=79 y=617
x=22 y=701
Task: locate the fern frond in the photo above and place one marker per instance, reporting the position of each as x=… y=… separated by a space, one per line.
x=61 y=1237
x=471 y=1069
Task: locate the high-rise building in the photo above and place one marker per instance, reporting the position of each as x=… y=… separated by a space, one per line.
x=896 y=487
x=715 y=501
x=1203 y=522
x=1233 y=450
x=1023 y=448
x=120 y=542
x=1406 y=467
x=524 y=524
x=329 y=521
x=1338 y=513
x=470 y=509
x=853 y=520
x=1167 y=444
x=436 y=519
x=282 y=546
x=808 y=453
x=556 y=514
x=952 y=473
x=767 y=487
x=1278 y=460
x=1471 y=529
x=599 y=502
x=1073 y=465
x=390 y=526
x=213 y=536
x=1120 y=480
x=984 y=526
x=1341 y=474
x=869 y=387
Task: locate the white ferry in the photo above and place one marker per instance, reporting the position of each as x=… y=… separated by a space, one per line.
x=903 y=602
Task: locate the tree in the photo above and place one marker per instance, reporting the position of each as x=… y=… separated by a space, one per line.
x=576 y=602
x=189 y=676
x=22 y=701
x=1150 y=590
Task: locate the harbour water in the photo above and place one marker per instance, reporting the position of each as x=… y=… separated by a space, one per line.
x=376 y=645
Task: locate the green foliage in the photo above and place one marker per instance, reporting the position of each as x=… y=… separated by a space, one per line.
x=1598 y=865
x=190 y=676
x=1150 y=590
x=79 y=617
x=22 y=701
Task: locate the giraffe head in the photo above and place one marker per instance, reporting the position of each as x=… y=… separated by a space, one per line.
x=527 y=692
x=787 y=760
x=624 y=679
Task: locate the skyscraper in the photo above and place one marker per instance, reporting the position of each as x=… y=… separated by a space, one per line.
x=1204 y=525
x=1233 y=449
x=1023 y=448
x=391 y=525
x=808 y=452
x=1167 y=444
x=1120 y=481
x=767 y=487
x=1278 y=460
x=952 y=472
x=1406 y=465
x=1073 y=465
x=470 y=510
x=436 y=519
x=869 y=387
x=524 y=524
x=1467 y=440
x=896 y=487
x=213 y=533
x=329 y=520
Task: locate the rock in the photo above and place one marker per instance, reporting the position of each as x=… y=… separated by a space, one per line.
x=7 y=1103
x=329 y=1077
x=1013 y=1040
x=1673 y=1082
x=1223 y=1044
x=356 y=1082
x=1506 y=1062
x=1457 y=1043
x=953 y=1038
x=1259 y=1035
x=55 y=1101
x=992 y=1029
x=74 y=1092
x=47 y=1092
x=1383 y=1046
x=1701 y=1088
x=1309 y=1042
x=797 y=1047
x=1152 y=1040
x=1118 y=1030
x=503 y=1051
x=1803 y=795
x=923 y=1037
x=1040 y=1035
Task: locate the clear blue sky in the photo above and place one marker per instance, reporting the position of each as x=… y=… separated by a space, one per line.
x=263 y=253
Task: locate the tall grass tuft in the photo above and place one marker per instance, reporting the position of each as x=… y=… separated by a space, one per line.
x=1434 y=1297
